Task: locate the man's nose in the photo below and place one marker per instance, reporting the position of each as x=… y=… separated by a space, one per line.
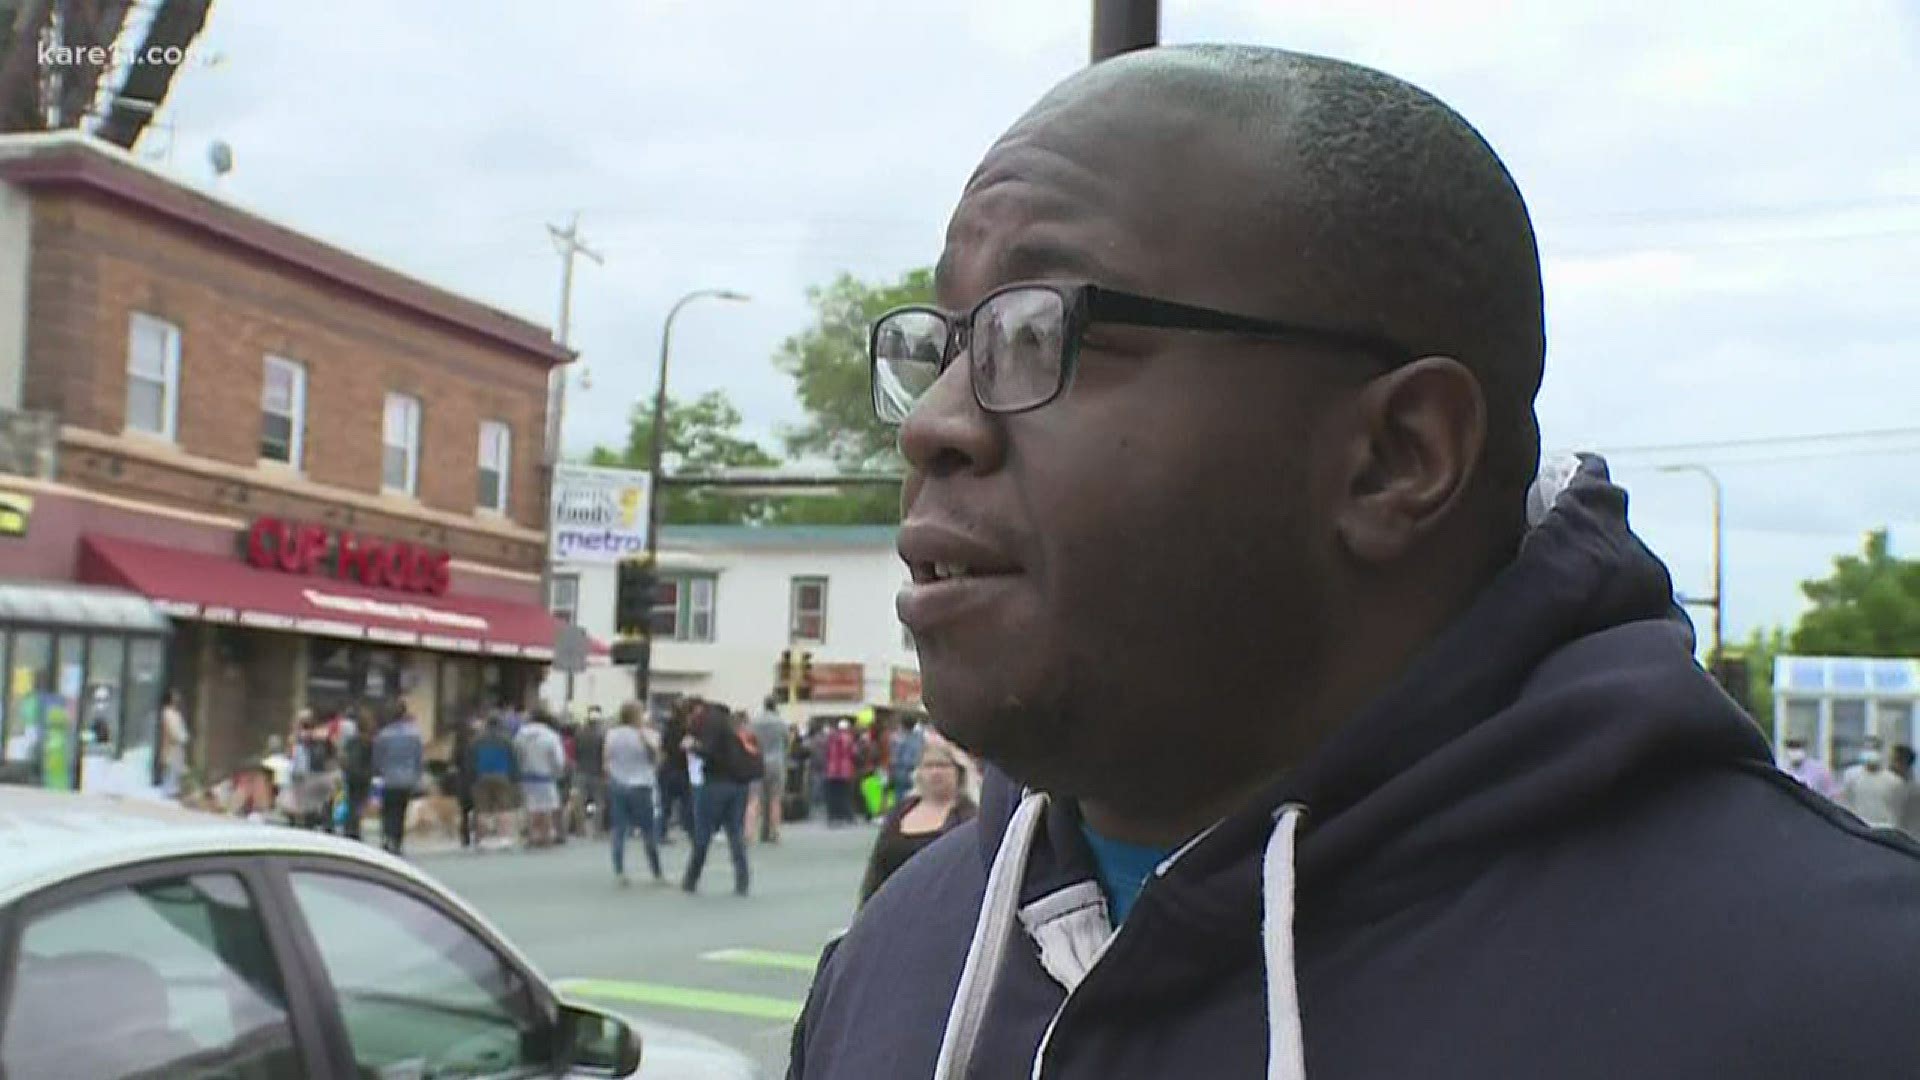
x=947 y=431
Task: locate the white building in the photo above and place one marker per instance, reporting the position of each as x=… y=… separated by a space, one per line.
x=733 y=598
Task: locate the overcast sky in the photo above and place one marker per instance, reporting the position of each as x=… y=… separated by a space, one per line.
x=1727 y=196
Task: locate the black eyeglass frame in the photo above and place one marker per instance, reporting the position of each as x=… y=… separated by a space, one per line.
x=1085 y=305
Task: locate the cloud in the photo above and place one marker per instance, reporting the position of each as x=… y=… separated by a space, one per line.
x=1727 y=196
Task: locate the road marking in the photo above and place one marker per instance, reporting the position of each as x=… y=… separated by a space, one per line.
x=684 y=997
x=786 y=961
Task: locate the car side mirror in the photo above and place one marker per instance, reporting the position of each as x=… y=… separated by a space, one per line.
x=591 y=1039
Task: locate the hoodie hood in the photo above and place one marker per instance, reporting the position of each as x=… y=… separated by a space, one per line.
x=1570 y=676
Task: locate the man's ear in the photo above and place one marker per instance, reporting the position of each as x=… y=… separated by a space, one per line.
x=1415 y=442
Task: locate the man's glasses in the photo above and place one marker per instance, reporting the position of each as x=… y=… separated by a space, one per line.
x=1024 y=340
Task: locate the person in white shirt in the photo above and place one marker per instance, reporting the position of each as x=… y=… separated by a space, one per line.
x=1874 y=793
x=632 y=757
x=542 y=756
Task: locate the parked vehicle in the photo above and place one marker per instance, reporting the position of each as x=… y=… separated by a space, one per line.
x=140 y=939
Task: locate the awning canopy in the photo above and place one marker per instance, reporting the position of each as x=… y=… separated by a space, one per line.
x=190 y=585
x=79 y=607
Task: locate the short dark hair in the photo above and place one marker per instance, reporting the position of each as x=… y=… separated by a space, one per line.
x=1419 y=233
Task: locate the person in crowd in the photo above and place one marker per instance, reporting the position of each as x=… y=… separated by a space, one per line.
x=839 y=773
x=676 y=775
x=568 y=731
x=903 y=759
x=819 y=728
x=312 y=772
x=772 y=732
x=541 y=757
x=356 y=772
x=493 y=766
x=869 y=769
x=400 y=762
x=631 y=761
x=938 y=805
x=1224 y=408
x=174 y=741
x=460 y=776
x=1874 y=793
x=1809 y=770
x=590 y=811
x=729 y=763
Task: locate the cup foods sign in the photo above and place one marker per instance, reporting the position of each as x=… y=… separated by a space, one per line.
x=599 y=515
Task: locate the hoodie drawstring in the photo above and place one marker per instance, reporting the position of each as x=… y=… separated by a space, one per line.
x=999 y=914
x=1286 y=1047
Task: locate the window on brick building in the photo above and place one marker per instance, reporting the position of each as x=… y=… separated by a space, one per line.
x=283 y=412
x=153 y=376
x=563 y=597
x=400 y=461
x=496 y=459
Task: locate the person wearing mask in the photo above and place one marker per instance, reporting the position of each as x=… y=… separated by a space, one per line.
x=772 y=732
x=174 y=740
x=838 y=774
x=492 y=763
x=1874 y=793
x=939 y=804
x=720 y=753
x=631 y=758
x=400 y=761
x=1810 y=771
x=1224 y=407
x=591 y=810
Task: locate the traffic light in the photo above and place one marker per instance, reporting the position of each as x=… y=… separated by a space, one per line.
x=783 y=675
x=806 y=676
x=633 y=599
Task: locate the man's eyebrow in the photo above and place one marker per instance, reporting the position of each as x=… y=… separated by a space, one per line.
x=1031 y=259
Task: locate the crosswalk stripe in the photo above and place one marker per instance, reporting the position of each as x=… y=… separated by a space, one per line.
x=683 y=997
x=786 y=961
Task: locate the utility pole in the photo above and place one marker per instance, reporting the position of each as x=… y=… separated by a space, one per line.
x=1715 y=601
x=567 y=243
x=1121 y=26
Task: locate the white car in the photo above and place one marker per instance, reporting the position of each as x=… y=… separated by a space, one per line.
x=141 y=940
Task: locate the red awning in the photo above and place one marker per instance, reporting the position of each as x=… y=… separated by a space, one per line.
x=190 y=585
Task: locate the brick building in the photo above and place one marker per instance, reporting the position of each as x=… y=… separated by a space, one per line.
x=326 y=474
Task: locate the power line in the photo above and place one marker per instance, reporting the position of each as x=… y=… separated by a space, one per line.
x=1763 y=441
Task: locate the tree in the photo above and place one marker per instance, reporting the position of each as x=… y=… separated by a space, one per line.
x=828 y=361
x=1868 y=606
x=701 y=435
x=1759 y=652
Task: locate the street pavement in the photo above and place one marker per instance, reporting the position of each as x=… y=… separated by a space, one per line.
x=730 y=968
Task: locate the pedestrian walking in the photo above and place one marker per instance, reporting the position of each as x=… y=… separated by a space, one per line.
x=772 y=732
x=1875 y=793
x=541 y=756
x=1810 y=771
x=356 y=772
x=908 y=742
x=494 y=785
x=676 y=773
x=839 y=774
x=730 y=763
x=1226 y=411
x=938 y=806
x=400 y=762
x=631 y=759
x=174 y=740
x=590 y=811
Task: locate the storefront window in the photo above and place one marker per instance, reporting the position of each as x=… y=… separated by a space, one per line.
x=383 y=676
x=32 y=657
x=330 y=675
x=103 y=707
x=1849 y=731
x=145 y=669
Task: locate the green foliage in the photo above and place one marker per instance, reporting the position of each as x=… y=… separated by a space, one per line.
x=1759 y=652
x=1868 y=606
x=701 y=435
x=828 y=362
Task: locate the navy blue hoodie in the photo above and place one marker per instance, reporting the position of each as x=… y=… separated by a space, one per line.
x=1551 y=848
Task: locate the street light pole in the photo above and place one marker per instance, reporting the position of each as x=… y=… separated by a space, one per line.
x=1121 y=26
x=1719 y=594
x=657 y=448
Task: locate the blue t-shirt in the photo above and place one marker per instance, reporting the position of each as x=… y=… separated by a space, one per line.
x=1123 y=869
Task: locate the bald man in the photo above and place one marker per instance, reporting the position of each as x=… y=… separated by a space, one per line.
x=1331 y=735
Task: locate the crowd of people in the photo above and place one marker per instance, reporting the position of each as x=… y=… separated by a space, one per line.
x=1880 y=789
x=509 y=779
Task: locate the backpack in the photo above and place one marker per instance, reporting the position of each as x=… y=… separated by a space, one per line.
x=746 y=765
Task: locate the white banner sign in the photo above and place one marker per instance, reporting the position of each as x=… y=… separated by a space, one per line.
x=599 y=515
